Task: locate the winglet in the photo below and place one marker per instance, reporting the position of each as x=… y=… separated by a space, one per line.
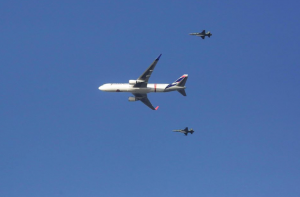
x=158 y=57
x=156 y=107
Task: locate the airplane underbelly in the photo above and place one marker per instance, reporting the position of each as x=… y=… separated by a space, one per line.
x=140 y=90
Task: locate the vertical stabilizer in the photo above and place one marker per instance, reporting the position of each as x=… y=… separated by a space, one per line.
x=209 y=34
x=179 y=84
x=182 y=80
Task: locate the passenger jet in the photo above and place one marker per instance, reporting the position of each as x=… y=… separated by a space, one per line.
x=140 y=87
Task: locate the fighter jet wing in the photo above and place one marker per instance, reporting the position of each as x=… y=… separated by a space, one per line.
x=147 y=74
x=203 y=32
x=203 y=37
x=145 y=100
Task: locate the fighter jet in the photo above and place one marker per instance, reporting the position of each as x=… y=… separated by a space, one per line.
x=185 y=131
x=202 y=34
x=140 y=87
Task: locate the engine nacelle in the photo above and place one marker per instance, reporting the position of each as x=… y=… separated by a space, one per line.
x=133 y=82
x=132 y=99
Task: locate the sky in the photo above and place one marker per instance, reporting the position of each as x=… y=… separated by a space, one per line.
x=61 y=136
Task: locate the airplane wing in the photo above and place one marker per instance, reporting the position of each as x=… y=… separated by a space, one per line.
x=203 y=37
x=147 y=74
x=203 y=32
x=145 y=100
x=186 y=129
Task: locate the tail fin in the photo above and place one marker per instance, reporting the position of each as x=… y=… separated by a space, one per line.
x=181 y=80
x=180 y=84
x=192 y=131
x=209 y=34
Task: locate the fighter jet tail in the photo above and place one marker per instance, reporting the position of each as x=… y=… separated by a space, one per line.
x=209 y=34
x=192 y=131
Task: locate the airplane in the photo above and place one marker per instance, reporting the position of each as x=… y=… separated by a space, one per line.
x=202 y=34
x=140 y=87
x=185 y=131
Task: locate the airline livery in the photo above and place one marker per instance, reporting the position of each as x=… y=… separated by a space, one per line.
x=140 y=87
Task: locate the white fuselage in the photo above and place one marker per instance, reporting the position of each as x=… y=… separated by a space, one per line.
x=126 y=87
x=197 y=34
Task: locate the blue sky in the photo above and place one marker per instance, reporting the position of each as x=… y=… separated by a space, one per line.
x=61 y=136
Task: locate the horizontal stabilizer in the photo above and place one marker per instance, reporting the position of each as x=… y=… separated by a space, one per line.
x=182 y=91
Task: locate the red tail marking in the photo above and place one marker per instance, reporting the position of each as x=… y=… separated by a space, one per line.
x=156 y=107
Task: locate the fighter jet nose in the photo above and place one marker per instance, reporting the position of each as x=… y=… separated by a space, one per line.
x=100 y=87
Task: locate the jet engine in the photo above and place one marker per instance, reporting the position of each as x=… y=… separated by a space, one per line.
x=132 y=99
x=133 y=82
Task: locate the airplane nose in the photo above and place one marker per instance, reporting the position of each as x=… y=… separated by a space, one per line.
x=101 y=88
